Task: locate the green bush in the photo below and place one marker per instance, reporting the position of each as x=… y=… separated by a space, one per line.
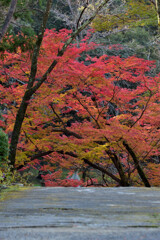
x=8 y=175
x=3 y=154
x=3 y=146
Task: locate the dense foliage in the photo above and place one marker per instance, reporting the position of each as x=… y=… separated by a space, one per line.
x=102 y=111
x=91 y=106
x=127 y=14
x=3 y=153
x=3 y=146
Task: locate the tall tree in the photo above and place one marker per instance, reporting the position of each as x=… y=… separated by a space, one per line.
x=104 y=120
x=32 y=86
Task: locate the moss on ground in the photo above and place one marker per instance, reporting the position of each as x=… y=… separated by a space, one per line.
x=12 y=192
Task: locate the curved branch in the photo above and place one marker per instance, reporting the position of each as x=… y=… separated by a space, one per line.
x=81 y=14
x=143 y=111
x=102 y=170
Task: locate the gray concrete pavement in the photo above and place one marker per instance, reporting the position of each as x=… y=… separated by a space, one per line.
x=81 y=214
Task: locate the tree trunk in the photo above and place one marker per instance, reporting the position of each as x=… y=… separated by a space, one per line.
x=29 y=92
x=8 y=18
x=136 y=162
x=118 y=166
x=17 y=128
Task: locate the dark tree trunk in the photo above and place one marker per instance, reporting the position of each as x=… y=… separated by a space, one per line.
x=17 y=128
x=137 y=165
x=29 y=92
x=118 y=166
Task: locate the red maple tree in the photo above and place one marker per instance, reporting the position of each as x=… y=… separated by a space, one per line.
x=101 y=111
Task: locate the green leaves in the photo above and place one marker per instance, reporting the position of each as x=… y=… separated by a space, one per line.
x=3 y=146
x=131 y=14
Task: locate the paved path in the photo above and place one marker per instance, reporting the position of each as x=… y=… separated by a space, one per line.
x=81 y=214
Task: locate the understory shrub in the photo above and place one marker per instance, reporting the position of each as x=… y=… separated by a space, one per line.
x=3 y=146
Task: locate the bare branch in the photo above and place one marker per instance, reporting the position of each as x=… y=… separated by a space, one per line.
x=82 y=12
x=59 y=118
x=144 y=109
x=86 y=108
x=102 y=170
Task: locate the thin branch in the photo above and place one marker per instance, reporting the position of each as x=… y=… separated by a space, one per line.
x=102 y=170
x=30 y=139
x=67 y=132
x=41 y=154
x=107 y=103
x=150 y=150
x=143 y=111
x=87 y=110
x=57 y=115
x=118 y=166
x=82 y=12
x=64 y=130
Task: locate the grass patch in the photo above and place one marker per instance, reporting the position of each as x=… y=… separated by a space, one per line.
x=12 y=192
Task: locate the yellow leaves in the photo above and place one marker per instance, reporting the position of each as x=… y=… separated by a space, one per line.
x=31 y=147
x=27 y=73
x=135 y=13
x=67 y=147
x=1 y=176
x=106 y=23
x=96 y=152
x=90 y=7
x=81 y=8
x=21 y=158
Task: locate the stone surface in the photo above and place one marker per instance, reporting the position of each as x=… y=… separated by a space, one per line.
x=81 y=214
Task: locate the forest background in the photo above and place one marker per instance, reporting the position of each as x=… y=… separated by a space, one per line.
x=89 y=99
